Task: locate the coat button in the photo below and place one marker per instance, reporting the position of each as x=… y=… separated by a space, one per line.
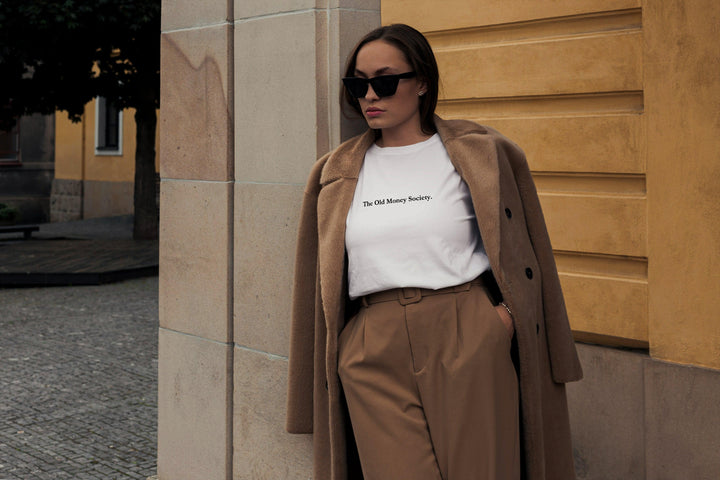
x=508 y=213
x=326 y=385
x=528 y=272
x=537 y=329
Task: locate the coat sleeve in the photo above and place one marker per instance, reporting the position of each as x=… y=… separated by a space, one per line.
x=302 y=327
x=564 y=361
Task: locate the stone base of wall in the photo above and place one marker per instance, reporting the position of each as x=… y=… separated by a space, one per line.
x=637 y=418
x=66 y=200
x=107 y=199
x=27 y=188
x=75 y=199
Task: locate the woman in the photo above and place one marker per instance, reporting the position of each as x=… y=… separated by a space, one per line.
x=429 y=332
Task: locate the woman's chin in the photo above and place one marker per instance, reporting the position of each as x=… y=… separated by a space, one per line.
x=374 y=123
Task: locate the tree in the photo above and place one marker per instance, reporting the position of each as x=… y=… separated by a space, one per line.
x=60 y=54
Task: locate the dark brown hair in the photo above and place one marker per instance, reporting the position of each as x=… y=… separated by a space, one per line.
x=418 y=54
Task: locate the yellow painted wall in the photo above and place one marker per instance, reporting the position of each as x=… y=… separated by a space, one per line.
x=682 y=91
x=68 y=148
x=584 y=86
x=75 y=157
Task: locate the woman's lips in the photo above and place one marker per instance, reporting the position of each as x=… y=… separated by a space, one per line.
x=373 y=112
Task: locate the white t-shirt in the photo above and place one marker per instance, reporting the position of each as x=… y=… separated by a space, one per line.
x=411 y=223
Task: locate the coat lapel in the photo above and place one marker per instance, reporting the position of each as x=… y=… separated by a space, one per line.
x=338 y=180
x=477 y=163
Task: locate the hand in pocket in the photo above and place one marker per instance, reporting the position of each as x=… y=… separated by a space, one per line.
x=506 y=318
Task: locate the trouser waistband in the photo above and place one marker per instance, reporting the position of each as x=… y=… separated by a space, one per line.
x=408 y=295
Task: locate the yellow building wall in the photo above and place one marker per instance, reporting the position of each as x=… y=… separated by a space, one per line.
x=615 y=103
x=75 y=157
x=68 y=148
x=682 y=91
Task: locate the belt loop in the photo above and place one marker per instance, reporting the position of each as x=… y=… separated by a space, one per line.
x=409 y=295
x=364 y=301
x=462 y=288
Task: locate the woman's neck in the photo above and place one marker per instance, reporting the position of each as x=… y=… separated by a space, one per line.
x=389 y=138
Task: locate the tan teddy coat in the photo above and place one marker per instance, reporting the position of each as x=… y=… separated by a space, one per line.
x=517 y=244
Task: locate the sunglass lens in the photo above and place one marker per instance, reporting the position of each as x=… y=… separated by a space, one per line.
x=385 y=86
x=356 y=86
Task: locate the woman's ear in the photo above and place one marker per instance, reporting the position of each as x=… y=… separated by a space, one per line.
x=422 y=89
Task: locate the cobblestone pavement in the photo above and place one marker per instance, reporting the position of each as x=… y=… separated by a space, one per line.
x=78 y=391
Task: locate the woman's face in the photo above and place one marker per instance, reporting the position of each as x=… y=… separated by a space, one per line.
x=398 y=114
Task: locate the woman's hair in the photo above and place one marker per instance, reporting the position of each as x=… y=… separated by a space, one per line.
x=418 y=54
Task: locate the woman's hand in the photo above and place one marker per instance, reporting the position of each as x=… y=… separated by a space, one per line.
x=506 y=318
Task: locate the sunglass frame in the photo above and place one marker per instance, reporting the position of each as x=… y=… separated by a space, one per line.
x=383 y=85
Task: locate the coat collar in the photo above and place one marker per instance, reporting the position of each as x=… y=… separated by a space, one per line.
x=474 y=156
x=346 y=160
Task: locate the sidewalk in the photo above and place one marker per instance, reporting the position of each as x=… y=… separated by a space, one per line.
x=78 y=382
x=85 y=252
x=78 y=364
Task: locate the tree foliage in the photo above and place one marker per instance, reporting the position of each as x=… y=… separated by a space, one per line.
x=60 y=54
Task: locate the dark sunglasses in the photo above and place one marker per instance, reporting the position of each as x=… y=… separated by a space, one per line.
x=383 y=85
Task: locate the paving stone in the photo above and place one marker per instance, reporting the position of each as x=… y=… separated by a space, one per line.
x=78 y=392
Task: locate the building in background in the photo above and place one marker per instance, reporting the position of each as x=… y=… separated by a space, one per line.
x=616 y=103
x=52 y=169
x=27 y=162
x=94 y=163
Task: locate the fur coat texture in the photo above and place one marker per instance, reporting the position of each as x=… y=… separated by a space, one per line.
x=517 y=244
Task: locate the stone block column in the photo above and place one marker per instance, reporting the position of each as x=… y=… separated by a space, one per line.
x=196 y=228
x=288 y=62
x=249 y=101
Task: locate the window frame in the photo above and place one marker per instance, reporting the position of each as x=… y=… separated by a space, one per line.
x=101 y=115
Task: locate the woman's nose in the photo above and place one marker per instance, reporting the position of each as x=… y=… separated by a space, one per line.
x=370 y=94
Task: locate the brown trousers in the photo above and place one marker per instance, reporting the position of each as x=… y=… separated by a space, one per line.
x=430 y=386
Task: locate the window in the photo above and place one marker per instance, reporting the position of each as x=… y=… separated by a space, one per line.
x=10 y=146
x=108 y=128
